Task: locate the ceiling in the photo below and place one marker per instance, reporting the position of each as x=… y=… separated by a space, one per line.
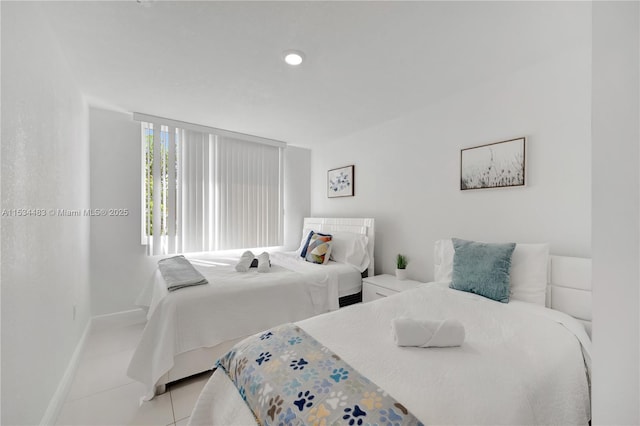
x=220 y=63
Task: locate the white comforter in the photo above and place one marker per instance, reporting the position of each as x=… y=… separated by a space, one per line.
x=232 y=305
x=520 y=363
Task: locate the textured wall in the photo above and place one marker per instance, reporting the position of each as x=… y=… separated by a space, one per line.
x=45 y=263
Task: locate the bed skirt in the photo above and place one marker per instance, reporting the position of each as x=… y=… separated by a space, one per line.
x=350 y=299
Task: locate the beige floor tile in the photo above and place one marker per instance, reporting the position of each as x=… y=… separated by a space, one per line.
x=119 y=406
x=184 y=394
x=106 y=342
x=154 y=412
x=100 y=374
x=182 y=422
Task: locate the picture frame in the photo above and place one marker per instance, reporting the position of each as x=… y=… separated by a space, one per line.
x=340 y=182
x=493 y=165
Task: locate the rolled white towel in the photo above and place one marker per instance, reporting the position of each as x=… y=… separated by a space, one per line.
x=427 y=333
x=263 y=262
x=245 y=261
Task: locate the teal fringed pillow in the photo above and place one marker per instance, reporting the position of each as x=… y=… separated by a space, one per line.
x=482 y=268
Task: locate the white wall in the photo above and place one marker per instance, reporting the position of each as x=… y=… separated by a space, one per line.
x=45 y=264
x=297 y=199
x=407 y=170
x=120 y=267
x=616 y=198
x=119 y=264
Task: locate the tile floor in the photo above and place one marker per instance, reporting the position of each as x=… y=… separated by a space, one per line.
x=102 y=394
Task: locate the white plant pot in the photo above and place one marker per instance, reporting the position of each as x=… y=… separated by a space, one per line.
x=401 y=274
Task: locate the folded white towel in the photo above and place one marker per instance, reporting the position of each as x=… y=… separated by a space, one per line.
x=263 y=262
x=427 y=333
x=245 y=261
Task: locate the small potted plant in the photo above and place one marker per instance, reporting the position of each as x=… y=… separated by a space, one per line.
x=401 y=267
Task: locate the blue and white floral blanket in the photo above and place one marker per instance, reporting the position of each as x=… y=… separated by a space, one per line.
x=286 y=377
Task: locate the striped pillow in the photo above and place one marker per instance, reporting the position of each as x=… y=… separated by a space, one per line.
x=318 y=248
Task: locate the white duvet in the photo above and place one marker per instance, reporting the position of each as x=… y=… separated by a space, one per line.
x=520 y=363
x=231 y=306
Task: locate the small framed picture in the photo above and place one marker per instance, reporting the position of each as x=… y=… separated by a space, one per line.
x=494 y=165
x=340 y=182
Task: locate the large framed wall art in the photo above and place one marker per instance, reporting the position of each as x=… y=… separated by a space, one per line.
x=494 y=165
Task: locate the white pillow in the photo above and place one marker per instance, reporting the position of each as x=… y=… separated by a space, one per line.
x=350 y=248
x=443 y=260
x=528 y=275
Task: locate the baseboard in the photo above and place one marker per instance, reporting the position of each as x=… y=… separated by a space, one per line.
x=60 y=396
x=119 y=319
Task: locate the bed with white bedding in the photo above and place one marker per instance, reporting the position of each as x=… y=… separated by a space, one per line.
x=331 y=281
x=189 y=328
x=520 y=363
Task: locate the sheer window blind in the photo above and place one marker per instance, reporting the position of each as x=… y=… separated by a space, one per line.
x=208 y=189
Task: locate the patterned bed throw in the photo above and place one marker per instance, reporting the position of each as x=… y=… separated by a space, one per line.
x=286 y=377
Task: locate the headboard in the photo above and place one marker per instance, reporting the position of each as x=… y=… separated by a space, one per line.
x=364 y=226
x=569 y=288
x=568 y=281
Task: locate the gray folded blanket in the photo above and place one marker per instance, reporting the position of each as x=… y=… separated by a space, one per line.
x=178 y=273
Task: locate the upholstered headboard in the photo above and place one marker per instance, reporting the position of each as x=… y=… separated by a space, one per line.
x=364 y=226
x=569 y=288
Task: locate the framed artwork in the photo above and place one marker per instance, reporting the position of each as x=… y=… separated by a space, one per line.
x=340 y=182
x=494 y=165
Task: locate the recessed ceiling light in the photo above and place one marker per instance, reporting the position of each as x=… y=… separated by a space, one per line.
x=293 y=57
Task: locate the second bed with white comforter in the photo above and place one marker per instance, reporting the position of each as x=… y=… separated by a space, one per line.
x=520 y=363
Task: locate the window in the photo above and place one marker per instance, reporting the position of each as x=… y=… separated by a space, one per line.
x=207 y=189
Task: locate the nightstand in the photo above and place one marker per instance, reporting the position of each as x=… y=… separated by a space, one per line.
x=384 y=285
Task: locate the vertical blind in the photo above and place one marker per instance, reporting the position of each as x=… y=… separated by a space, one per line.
x=207 y=189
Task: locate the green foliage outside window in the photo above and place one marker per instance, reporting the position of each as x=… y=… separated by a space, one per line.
x=148 y=180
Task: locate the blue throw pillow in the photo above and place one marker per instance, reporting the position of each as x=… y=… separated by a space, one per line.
x=482 y=268
x=303 y=253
